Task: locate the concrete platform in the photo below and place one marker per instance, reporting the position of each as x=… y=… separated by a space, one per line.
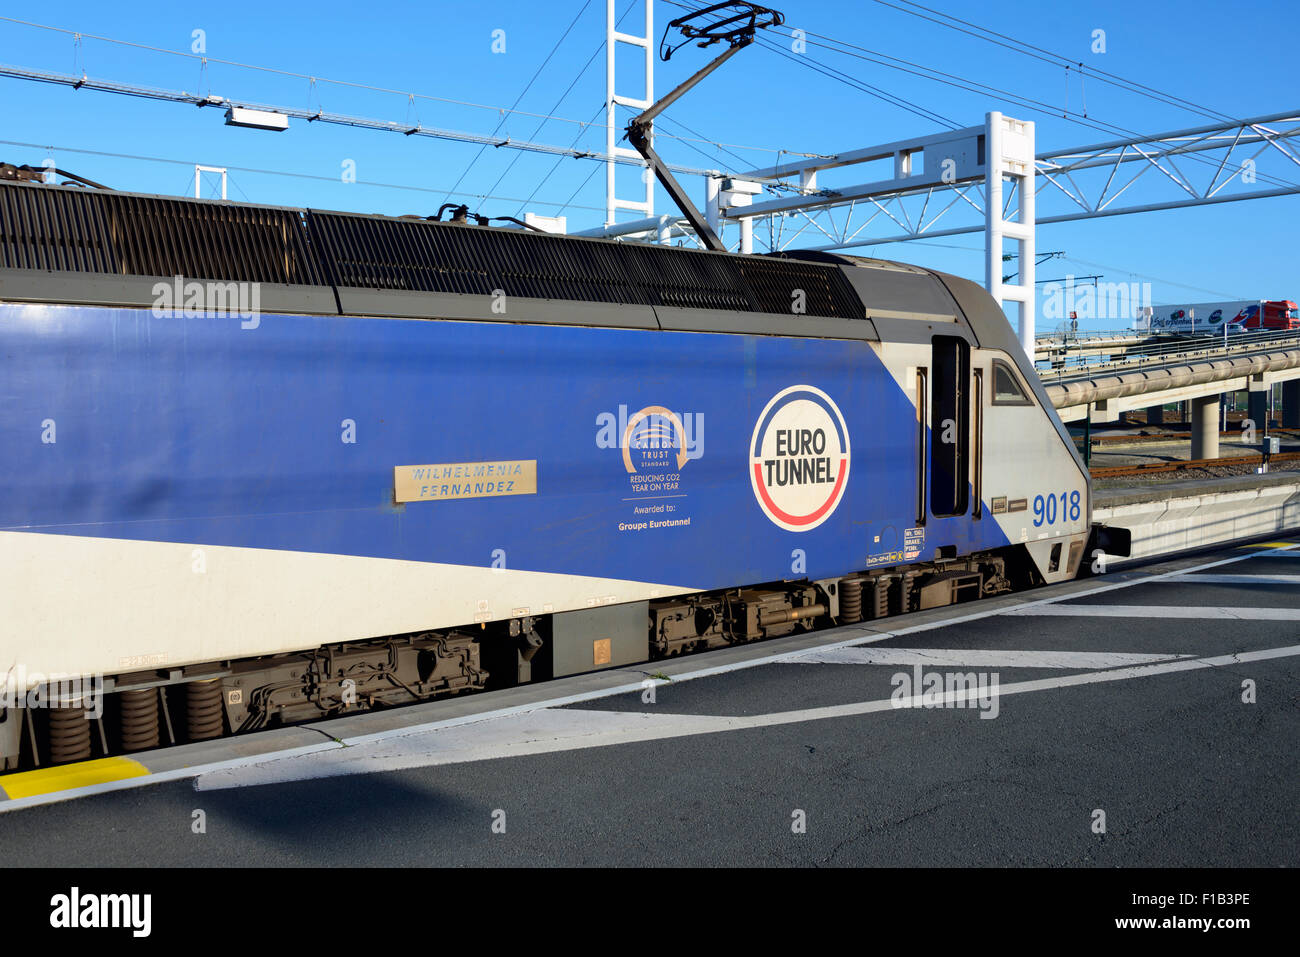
x=1176 y=516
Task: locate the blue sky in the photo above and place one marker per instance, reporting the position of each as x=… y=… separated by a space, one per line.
x=1229 y=61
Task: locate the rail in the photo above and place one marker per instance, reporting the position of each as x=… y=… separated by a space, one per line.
x=1118 y=471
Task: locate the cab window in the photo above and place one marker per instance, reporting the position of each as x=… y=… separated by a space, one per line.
x=1006 y=387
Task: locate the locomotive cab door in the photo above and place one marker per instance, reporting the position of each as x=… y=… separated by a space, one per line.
x=951 y=385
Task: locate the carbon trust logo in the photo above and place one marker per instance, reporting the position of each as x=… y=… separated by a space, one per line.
x=654 y=428
x=657 y=444
x=799 y=458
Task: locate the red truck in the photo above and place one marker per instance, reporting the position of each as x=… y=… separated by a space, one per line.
x=1210 y=317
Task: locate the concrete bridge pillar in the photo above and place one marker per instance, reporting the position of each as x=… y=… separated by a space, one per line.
x=1291 y=404
x=1257 y=410
x=1205 y=427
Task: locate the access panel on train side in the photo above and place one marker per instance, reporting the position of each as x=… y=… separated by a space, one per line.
x=704 y=460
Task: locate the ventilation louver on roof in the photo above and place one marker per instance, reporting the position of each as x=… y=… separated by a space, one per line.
x=370 y=252
x=72 y=230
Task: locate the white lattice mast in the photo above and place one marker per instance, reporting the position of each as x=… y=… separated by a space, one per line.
x=613 y=131
x=1009 y=152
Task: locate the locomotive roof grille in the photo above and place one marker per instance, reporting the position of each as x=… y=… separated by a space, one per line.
x=75 y=230
x=72 y=230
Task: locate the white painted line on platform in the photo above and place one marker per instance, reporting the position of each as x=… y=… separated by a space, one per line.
x=558 y=702
x=1242 y=612
x=1235 y=579
x=977 y=658
x=536 y=732
x=776 y=658
x=481 y=717
x=548 y=731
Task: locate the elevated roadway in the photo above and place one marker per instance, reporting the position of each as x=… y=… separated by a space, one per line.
x=1061 y=348
x=1198 y=371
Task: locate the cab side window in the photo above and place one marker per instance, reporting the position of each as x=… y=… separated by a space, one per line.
x=1006 y=387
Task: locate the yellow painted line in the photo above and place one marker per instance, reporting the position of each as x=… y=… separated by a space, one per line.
x=1270 y=545
x=65 y=777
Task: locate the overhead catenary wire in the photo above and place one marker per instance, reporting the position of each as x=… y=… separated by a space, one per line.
x=973 y=86
x=842 y=77
x=328 y=118
x=1168 y=282
x=860 y=85
x=556 y=165
x=1082 y=119
x=584 y=127
x=1029 y=49
x=581 y=72
x=275 y=172
x=314 y=81
x=528 y=86
x=469 y=138
x=80 y=35
x=836 y=74
x=1039 y=106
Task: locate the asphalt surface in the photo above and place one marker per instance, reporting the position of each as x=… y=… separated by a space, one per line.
x=721 y=770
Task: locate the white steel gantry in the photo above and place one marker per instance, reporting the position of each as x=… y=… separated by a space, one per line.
x=973 y=164
x=613 y=100
x=938 y=177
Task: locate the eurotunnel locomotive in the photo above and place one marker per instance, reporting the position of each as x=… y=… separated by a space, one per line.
x=264 y=465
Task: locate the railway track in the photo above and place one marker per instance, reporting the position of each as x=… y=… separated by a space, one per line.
x=1119 y=471
x=1099 y=441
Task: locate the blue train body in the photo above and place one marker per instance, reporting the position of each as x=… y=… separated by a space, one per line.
x=285 y=436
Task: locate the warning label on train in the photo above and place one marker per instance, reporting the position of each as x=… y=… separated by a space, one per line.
x=913 y=543
x=799 y=458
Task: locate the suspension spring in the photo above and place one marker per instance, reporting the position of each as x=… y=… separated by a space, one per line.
x=69 y=734
x=139 y=719
x=850 y=600
x=203 y=709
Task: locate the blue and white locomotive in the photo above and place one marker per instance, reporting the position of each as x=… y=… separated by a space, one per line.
x=264 y=457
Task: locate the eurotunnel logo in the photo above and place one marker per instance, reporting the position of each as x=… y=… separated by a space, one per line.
x=799 y=458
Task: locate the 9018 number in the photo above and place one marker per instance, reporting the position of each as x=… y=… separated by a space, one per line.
x=1049 y=509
